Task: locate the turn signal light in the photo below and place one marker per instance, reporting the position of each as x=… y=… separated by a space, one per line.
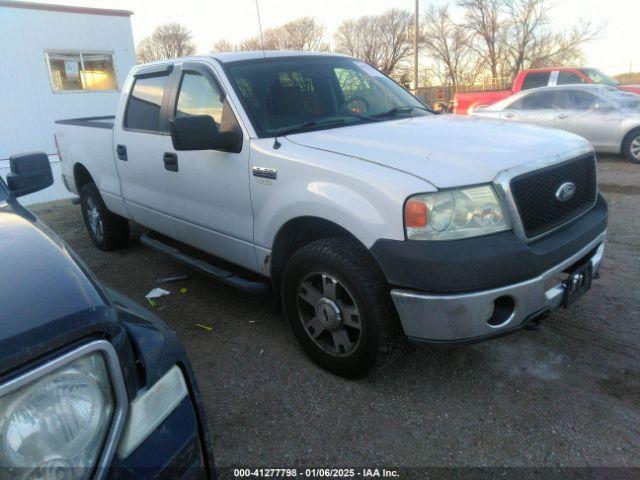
x=415 y=214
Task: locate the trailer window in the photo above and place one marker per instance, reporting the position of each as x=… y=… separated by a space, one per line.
x=81 y=71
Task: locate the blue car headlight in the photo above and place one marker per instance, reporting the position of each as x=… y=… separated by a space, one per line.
x=54 y=426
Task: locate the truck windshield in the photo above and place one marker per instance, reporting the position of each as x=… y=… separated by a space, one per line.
x=293 y=95
x=596 y=76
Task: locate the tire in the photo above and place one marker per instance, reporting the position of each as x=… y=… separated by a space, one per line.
x=631 y=146
x=107 y=230
x=334 y=291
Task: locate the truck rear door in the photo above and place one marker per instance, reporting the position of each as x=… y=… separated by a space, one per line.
x=139 y=136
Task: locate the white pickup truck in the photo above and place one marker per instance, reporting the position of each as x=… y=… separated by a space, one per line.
x=366 y=214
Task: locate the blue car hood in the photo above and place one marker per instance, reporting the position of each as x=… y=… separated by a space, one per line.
x=47 y=298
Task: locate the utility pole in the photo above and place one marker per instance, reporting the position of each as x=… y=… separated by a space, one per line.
x=415 y=47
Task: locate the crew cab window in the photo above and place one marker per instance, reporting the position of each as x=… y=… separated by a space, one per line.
x=143 y=107
x=575 y=100
x=534 y=101
x=535 y=80
x=569 y=78
x=200 y=96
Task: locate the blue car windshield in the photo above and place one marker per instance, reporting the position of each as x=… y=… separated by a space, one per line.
x=297 y=94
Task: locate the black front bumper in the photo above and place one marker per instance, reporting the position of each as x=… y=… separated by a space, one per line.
x=486 y=262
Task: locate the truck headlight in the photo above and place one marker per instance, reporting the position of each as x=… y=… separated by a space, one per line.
x=454 y=214
x=54 y=426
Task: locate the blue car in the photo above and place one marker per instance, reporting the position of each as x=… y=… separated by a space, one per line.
x=92 y=385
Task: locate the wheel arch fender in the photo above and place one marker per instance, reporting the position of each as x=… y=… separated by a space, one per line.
x=298 y=232
x=81 y=176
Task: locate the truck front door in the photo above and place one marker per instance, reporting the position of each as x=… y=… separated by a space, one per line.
x=209 y=189
x=138 y=145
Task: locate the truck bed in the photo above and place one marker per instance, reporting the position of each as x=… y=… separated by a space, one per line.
x=466 y=101
x=88 y=142
x=93 y=122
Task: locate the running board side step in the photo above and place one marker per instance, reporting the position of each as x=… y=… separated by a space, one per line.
x=223 y=276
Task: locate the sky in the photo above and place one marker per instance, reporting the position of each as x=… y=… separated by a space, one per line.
x=615 y=52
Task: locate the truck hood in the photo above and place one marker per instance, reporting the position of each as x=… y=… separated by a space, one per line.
x=445 y=150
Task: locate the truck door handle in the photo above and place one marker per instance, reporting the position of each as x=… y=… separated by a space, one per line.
x=508 y=115
x=263 y=172
x=121 y=150
x=170 y=161
x=563 y=115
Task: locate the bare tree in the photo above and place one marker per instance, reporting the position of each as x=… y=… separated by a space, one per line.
x=484 y=20
x=223 y=45
x=532 y=41
x=380 y=40
x=301 y=34
x=449 y=45
x=253 y=43
x=170 y=40
x=511 y=35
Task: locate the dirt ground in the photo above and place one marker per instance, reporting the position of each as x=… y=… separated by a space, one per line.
x=567 y=395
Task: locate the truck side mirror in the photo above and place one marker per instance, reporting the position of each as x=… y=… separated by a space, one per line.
x=200 y=132
x=30 y=172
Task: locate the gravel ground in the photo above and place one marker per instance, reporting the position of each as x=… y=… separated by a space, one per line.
x=567 y=395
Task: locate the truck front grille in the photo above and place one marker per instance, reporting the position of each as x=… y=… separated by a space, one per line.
x=535 y=194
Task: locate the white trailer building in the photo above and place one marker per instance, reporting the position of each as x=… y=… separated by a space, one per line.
x=57 y=62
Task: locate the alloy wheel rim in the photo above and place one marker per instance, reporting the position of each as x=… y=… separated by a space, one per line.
x=329 y=314
x=95 y=220
x=635 y=147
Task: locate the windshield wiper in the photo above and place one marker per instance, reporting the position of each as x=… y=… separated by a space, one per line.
x=403 y=109
x=327 y=122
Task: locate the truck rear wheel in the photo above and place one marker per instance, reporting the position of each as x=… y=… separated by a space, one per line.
x=631 y=146
x=107 y=230
x=337 y=303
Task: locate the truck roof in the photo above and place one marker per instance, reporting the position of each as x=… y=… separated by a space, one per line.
x=228 y=57
x=553 y=69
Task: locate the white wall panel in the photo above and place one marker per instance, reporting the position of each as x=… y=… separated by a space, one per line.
x=28 y=106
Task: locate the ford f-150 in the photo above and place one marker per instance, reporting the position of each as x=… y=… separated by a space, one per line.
x=367 y=215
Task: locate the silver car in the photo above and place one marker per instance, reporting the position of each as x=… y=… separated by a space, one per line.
x=607 y=117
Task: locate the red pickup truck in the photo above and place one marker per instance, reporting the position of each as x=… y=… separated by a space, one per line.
x=464 y=103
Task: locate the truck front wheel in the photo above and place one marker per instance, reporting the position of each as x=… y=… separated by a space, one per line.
x=107 y=230
x=338 y=305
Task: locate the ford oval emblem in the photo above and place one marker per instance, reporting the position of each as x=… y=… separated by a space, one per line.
x=565 y=191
